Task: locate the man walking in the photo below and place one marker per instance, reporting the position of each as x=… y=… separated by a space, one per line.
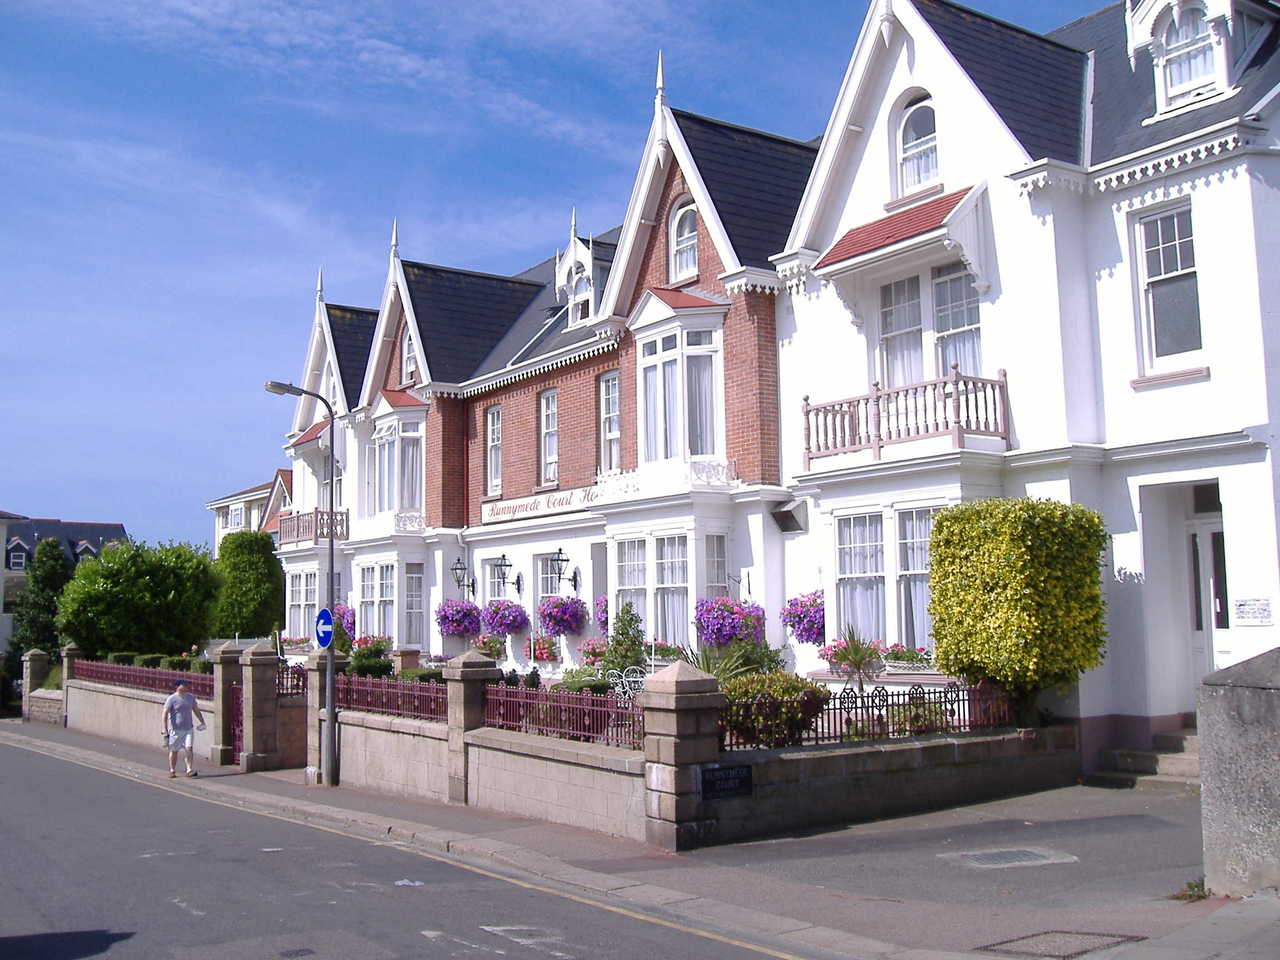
x=179 y=729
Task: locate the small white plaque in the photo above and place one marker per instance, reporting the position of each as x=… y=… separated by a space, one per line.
x=1253 y=612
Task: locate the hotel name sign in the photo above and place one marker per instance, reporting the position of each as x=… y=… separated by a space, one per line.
x=539 y=505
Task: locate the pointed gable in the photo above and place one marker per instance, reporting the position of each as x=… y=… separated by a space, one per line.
x=351 y=330
x=461 y=314
x=755 y=180
x=1034 y=83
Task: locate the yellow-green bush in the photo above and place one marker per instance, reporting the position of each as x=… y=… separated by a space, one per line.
x=1016 y=592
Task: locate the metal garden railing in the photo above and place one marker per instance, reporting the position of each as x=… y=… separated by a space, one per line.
x=422 y=701
x=594 y=718
x=143 y=678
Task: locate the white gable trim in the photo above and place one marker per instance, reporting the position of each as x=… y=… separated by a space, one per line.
x=396 y=290
x=304 y=412
x=664 y=136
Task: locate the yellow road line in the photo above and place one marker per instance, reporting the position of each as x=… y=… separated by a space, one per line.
x=562 y=894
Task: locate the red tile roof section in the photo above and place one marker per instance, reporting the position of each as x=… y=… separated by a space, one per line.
x=286 y=477
x=311 y=433
x=894 y=228
x=401 y=398
x=675 y=299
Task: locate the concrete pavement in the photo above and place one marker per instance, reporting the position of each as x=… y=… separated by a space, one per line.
x=1053 y=873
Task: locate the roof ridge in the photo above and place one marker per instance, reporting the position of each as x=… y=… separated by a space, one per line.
x=1087 y=16
x=473 y=273
x=745 y=129
x=1027 y=31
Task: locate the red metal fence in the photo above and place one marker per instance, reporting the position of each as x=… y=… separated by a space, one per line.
x=235 y=711
x=852 y=717
x=143 y=678
x=596 y=718
x=423 y=701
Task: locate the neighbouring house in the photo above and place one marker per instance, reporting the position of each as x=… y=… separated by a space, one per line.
x=1013 y=264
x=6 y=618
x=80 y=541
x=257 y=508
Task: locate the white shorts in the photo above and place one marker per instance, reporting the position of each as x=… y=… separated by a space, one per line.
x=181 y=738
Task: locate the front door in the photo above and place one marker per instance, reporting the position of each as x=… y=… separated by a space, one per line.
x=1210 y=611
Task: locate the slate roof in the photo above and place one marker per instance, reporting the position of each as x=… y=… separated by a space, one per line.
x=258 y=488
x=462 y=314
x=1036 y=84
x=352 y=332
x=1124 y=97
x=70 y=533
x=755 y=179
x=6 y=515
x=894 y=228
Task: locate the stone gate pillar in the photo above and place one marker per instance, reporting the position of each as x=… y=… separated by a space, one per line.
x=258 y=666
x=466 y=676
x=35 y=668
x=226 y=673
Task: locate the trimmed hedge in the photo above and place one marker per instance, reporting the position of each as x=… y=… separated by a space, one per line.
x=422 y=675
x=201 y=665
x=371 y=667
x=772 y=709
x=1016 y=592
x=122 y=659
x=584 y=685
x=152 y=660
x=175 y=663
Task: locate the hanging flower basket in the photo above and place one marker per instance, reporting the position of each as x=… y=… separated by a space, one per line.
x=722 y=620
x=561 y=615
x=458 y=618
x=602 y=614
x=503 y=616
x=806 y=617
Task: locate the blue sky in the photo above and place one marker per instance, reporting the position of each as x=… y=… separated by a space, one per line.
x=175 y=171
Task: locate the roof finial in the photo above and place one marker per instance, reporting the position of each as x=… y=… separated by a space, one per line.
x=660 y=99
x=573 y=225
x=320 y=284
x=395 y=237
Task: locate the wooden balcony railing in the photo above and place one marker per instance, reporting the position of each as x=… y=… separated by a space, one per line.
x=314 y=526
x=955 y=406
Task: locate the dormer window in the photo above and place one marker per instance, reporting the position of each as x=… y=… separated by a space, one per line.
x=918 y=164
x=1189 y=69
x=408 y=360
x=684 y=243
x=581 y=308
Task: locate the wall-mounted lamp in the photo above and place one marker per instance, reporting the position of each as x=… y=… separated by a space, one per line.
x=459 y=570
x=502 y=566
x=559 y=560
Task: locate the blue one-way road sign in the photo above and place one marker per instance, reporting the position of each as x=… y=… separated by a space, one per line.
x=324 y=627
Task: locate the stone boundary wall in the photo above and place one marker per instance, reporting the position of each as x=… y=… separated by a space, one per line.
x=45 y=706
x=815 y=786
x=291 y=721
x=564 y=781
x=124 y=713
x=396 y=755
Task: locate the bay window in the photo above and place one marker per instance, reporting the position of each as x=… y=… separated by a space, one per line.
x=414 y=615
x=367 y=625
x=671 y=594
x=860 y=576
x=386 y=619
x=294 y=618
x=631 y=578
x=308 y=603
x=610 y=424
x=549 y=438
x=679 y=408
x=915 y=629
x=493 y=450
x=411 y=466
x=378 y=600
x=1171 y=299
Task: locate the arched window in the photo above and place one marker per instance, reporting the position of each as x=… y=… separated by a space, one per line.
x=1188 y=60
x=408 y=359
x=582 y=298
x=918 y=165
x=684 y=242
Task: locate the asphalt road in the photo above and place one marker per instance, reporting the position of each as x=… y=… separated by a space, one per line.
x=93 y=865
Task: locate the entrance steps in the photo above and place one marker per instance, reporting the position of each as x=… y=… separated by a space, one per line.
x=1174 y=765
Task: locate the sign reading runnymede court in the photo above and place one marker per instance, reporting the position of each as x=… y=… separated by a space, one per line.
x=554 y=501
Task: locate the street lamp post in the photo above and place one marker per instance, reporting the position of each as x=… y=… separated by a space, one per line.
x=329 y=743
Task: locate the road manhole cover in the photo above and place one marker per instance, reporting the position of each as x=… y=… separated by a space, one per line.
x=1008 y=857
x=1059 y=944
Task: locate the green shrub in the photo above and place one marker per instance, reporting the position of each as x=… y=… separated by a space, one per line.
x=250 y=597
x=583 y=685
x=36 y=607
x=533 y=679
x=124 y=658
x=422 y=675
x=759 y=657
x=626 y=642
x=772 y=709
x=1016 y=594
x=54 y=679
x=511 y=678
x=149 y=660
x=175 y=663
x=371 y=667
x=202 y=665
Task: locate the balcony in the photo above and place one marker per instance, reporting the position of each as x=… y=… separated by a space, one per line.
x=957 y=406
x=665 y=478
x=314 y=526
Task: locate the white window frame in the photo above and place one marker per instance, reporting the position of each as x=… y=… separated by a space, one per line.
x=927 y=279
x=1146 y=279
x=493 y=450
x=17 y=560
x=415 y=632
x=655 y=351
x=580 y=300
x=548 y=438
x=671 y=577
x=609 y=407
x=683 y=260
x=545 y=581
x=408 y=359
x=871 y=574
x=386 y=616
x=411 y=485
x=1176 y=95
x=631 y=555
x=235 y=517
x=294 y=616
x=909 y=153
x=310 y=604
x=368 y=602
x=495 y=587
x=907 y=571
x=715 y=550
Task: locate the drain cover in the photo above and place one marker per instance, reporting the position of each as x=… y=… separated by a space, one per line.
x=1059 y=944
x=1009 y=857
